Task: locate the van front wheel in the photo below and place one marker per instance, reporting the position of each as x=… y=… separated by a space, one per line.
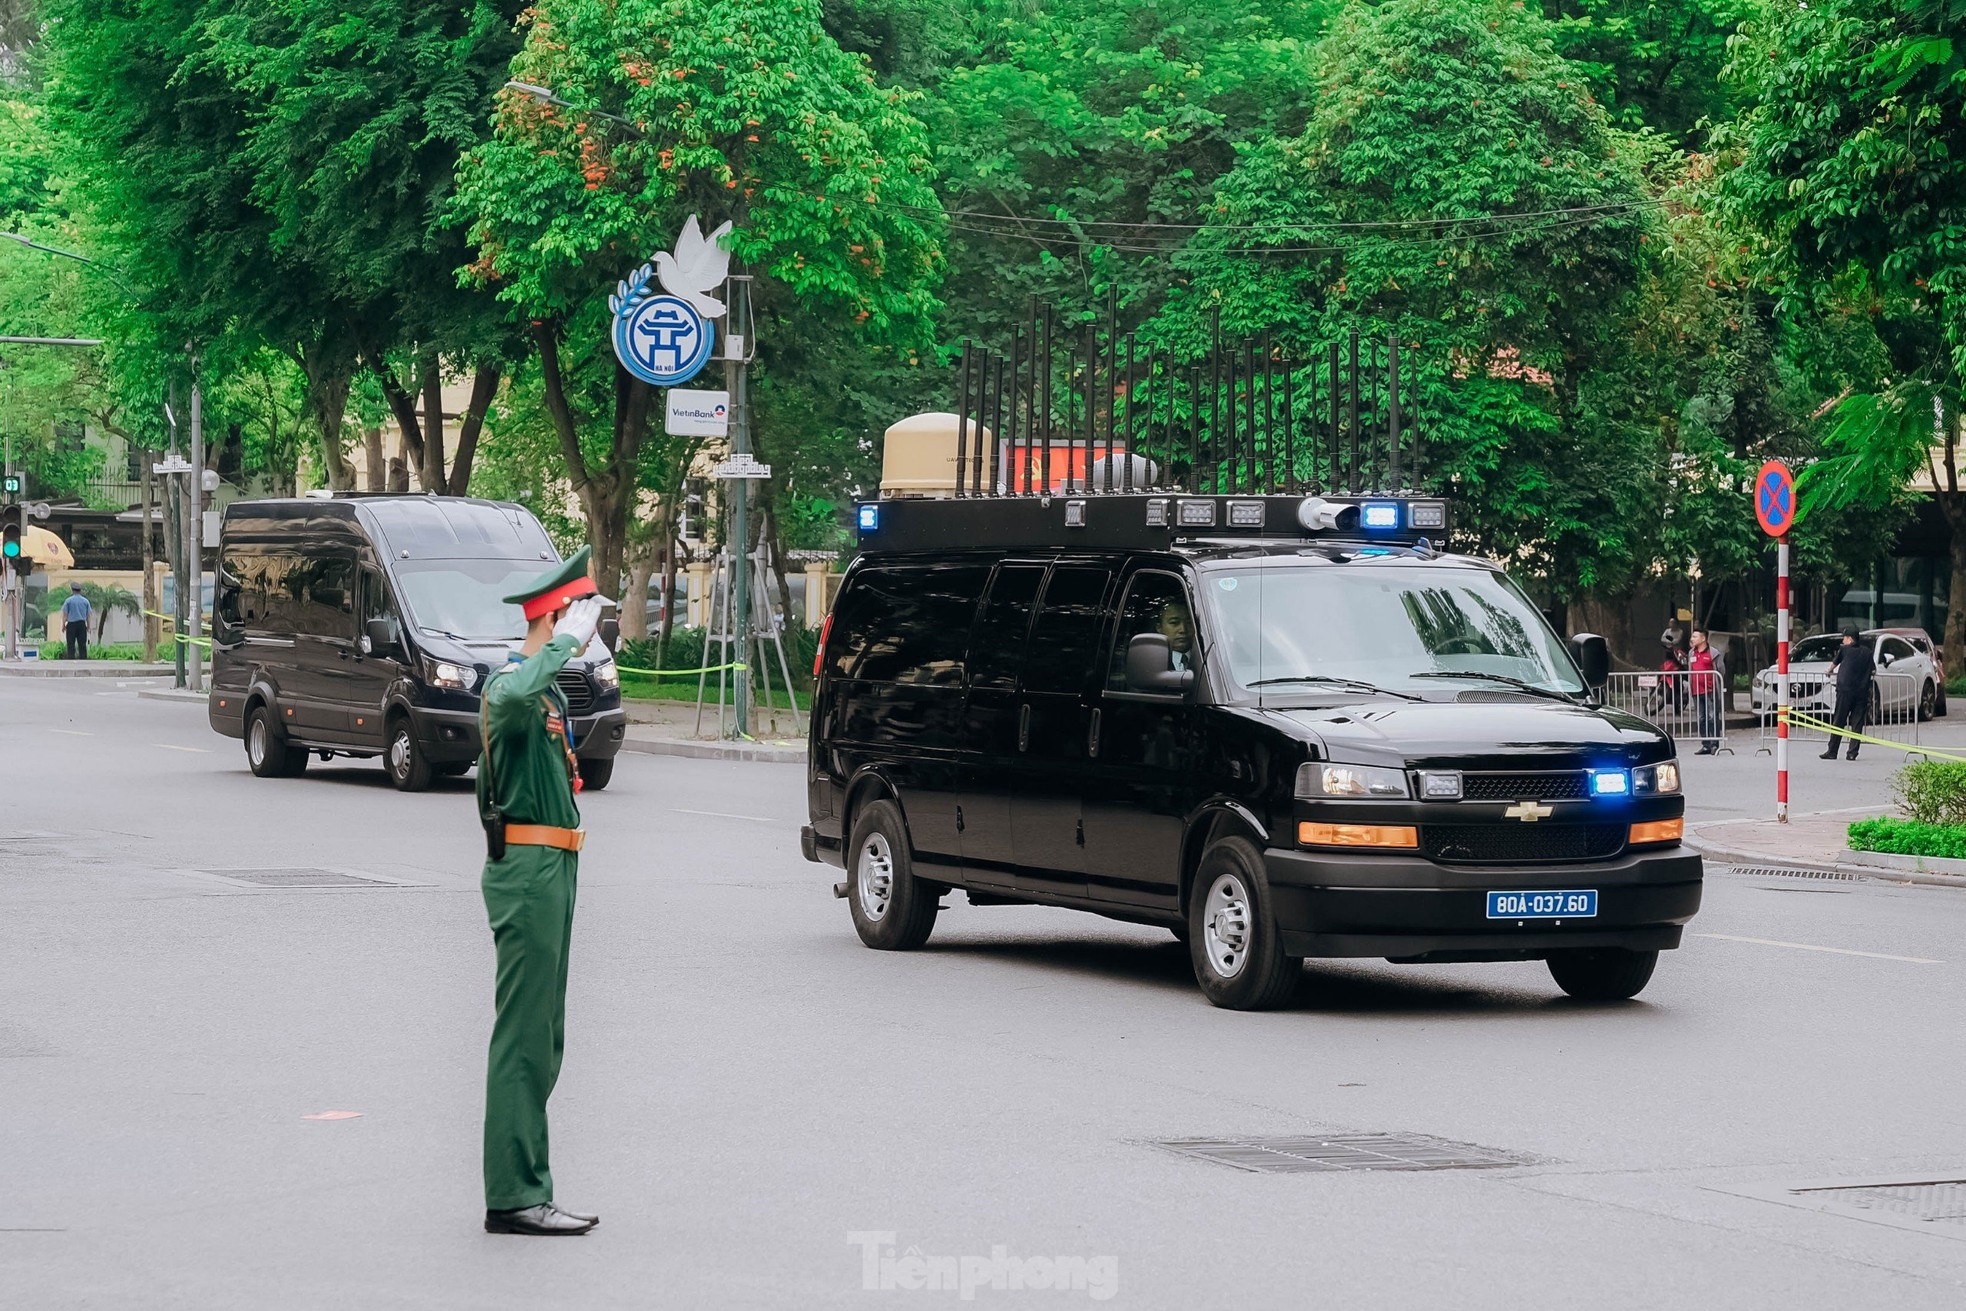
x=892 y=909
x=409 y=768
x=1232 y=932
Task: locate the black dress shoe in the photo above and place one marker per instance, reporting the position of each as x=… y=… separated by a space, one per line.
x=1827 y=755
x=544 y=1219
x=590 y=1219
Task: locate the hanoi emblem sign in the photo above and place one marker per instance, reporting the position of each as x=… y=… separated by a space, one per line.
x=666 y=337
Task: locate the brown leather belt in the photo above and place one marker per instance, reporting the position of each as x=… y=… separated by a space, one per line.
x=545 y=835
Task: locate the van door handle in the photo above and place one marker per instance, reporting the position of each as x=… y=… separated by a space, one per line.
x=1092 y=736
x=1024 y=727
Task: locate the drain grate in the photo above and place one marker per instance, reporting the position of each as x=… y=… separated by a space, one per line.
x=295 y=878
x=1937 y=1201
x=1786 y=872
x=1343 y=1153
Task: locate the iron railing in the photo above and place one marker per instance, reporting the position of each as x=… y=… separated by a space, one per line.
x=1089 y=408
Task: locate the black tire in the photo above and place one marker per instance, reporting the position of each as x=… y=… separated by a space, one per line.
x=595 y=774
x=453 y=768
x=1928 y=701
x=403 y=759
x=892 y=909
x=1232 y=932
x=1180 y=931
x=268 y=753
x=1607 y=974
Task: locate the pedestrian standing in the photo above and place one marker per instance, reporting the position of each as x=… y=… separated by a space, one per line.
x=527 y=778
x=75 y=612
x=1853 y=668
x=1709 y=687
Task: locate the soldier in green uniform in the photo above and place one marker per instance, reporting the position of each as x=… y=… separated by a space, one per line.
x=527 y=779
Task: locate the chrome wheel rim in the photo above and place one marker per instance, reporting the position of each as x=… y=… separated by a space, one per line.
x=874 y=876
x=399 y=753
x=256 y=742
x=1225 y=929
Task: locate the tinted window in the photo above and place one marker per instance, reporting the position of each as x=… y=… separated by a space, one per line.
x=1897 y=648
x=1058 y=657
x=996 y=650
x=1155 y=603
x=905 y=624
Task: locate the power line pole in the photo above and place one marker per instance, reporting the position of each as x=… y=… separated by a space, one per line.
x=194 y=483
x=738 y=350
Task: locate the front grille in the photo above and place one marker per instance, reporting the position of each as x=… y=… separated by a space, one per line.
x=578 y=691
x=1563 y=785
x=1515 y=843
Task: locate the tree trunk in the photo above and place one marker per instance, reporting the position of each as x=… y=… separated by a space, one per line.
x=635 y=599
x=1955 y=637
x=671 y=559
x=399 y=474
x=608 y=496
x=433 y=477
x=149 y=556
x=484 y=389
x=329 y=371
x=1610 y=618
x=778 y=561
x=378 y=470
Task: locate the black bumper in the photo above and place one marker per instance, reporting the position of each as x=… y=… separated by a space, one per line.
x=1406 y=908
x=451 y=735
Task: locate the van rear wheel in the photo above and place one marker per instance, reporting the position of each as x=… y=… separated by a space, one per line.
x=892 y=909
x=1232 y=932
x=409 y=768
x=267 y=750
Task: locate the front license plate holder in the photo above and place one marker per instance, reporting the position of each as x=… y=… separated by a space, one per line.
x=1569 y=904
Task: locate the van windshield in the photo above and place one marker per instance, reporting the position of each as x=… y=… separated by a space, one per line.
x=460 y=598
x=1317 y=627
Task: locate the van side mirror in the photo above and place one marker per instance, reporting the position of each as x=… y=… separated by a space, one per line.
x=1593 y=656
x=1150 y=666
x=610 y=634
x=382 y=637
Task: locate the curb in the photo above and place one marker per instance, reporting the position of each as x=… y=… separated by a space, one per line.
x=756 y=751
x=85 y=669
x=171 y=694
x=1871 y=866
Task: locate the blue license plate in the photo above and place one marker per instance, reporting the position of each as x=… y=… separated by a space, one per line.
x=1542 y=905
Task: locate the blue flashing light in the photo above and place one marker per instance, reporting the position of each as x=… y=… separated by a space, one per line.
x=870 y=518
x=1610 y=783
x=1380 y=516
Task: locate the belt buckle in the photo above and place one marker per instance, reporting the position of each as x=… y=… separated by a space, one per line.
x=579 y=839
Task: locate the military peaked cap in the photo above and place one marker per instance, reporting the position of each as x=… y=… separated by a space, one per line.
x=557 y=588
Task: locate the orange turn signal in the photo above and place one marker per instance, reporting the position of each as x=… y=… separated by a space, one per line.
x=1358 y=835
x=1659 y=830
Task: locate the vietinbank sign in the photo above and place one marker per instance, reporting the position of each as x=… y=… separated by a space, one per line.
x=698 y=413
x=666 y=339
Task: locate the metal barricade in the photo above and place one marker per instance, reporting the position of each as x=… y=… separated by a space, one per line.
x=1666 y=699
x=1893 y=707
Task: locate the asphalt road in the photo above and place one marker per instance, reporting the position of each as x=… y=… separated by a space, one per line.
x=746 y=1086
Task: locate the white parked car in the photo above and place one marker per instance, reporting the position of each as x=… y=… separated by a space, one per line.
x=1916 y=682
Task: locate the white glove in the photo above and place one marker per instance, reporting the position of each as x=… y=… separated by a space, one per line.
x=580 y=621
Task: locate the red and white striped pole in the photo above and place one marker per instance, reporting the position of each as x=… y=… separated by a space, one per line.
x=1782 y=679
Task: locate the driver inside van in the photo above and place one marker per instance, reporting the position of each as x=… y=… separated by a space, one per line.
x=1177 y=626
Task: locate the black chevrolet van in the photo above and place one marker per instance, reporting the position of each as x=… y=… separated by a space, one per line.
x=366 y=625
x=1281 y=727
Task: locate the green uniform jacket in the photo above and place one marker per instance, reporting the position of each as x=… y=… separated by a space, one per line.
x=529 y=761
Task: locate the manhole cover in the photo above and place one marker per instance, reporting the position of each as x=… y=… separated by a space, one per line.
x=1940 y=1200
x=295 y=878
x=1328 y=1153
x=1784 y=872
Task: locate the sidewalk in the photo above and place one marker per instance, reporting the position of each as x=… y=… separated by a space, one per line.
x=669 y=728
x=1817 y=843
x=83 y=669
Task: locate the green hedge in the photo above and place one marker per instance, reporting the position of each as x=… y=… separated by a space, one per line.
x=1933 y=791
x=1908 y=837
x=103 y=651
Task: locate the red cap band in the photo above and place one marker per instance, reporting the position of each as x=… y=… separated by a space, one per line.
x=559 y=597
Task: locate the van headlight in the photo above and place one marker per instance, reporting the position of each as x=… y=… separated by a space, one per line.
x=1318 y=780
x=445 y=674
x=1656 y=780
x=607 y=674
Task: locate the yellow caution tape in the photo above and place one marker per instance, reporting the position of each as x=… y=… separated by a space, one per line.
x=1803 y=720
x=676 y=673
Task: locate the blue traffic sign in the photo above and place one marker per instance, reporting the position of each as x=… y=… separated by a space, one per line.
x=1774 y=498
x=659 y=338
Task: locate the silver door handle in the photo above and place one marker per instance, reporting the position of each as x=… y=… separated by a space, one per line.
x=1092 y=736
x=1024 y=727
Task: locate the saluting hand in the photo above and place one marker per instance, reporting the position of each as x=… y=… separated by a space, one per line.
x=580 y=621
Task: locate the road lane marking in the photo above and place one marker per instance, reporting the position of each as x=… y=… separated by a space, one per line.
x=203 y=751
x=723 y=814
x=1834 y=951
x=72 y=732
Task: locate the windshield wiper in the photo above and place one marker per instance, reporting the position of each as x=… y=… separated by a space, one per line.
x=1497 y=678
x=1332 y=680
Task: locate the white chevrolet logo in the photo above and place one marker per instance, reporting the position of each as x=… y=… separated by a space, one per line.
x=1528 y=811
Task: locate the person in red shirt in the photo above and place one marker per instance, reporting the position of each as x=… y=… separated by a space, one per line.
x=1709 y=687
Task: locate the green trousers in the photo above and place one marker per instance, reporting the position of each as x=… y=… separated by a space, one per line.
x=529 y=898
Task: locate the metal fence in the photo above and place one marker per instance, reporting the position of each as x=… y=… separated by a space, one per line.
x=1667 y=700
x=1893 y=714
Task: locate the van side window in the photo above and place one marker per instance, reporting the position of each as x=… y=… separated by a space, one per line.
x=1059 y=655
x=328 y=595
x=906 y=624
x=996 y=649
x=1155 y=603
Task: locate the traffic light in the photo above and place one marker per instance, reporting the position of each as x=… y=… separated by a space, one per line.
x=10 y=533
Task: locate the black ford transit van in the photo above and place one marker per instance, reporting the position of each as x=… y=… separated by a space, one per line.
x=1281 y=727
x=366 y=625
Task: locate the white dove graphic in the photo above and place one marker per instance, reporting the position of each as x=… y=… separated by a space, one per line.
x=698 y=266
